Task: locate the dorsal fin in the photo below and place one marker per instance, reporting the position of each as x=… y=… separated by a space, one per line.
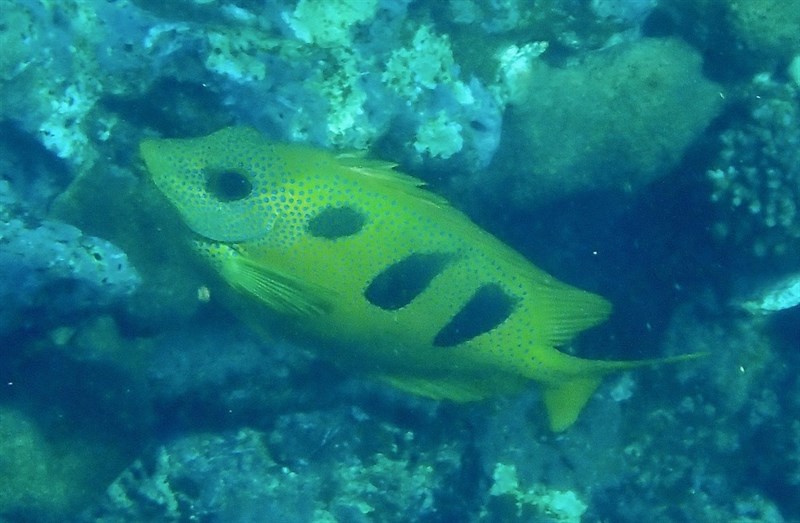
x=357 y=160
x=385 y=173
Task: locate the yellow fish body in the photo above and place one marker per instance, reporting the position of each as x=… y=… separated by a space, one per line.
x=385 y=276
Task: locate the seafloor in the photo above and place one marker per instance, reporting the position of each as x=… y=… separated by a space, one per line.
x=644 y=150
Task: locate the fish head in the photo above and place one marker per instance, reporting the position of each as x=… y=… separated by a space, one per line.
x=221 y=184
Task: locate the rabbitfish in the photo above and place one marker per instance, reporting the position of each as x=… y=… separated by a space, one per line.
x=379 y=274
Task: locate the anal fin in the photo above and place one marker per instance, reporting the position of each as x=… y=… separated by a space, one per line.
x=459 y=389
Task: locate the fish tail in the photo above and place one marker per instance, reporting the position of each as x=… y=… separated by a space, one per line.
x=607 y=367
x=565 y=400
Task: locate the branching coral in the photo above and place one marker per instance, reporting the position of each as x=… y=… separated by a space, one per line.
x=756 y=182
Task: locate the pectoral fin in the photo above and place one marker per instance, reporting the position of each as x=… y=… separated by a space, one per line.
x=275 y=289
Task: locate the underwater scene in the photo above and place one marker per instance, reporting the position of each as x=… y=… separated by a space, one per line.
x=347 y=261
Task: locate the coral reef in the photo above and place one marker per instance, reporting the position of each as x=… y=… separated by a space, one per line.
x=746 y=37
x=619 y=120
x=47 y=472
x=51 y=271
x=36 y=477
x=329 y=24
x=767 y=26
x=553 y=504
x=756 y=179
x=186 y=375
x=236 y=476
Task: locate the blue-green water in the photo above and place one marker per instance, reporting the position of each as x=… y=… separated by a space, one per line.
x=646 y=151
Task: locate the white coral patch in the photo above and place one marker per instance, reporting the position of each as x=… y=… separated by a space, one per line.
x=329 y=23
x=61 y=133
x=439 y=137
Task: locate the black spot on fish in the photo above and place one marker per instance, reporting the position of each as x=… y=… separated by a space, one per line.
x=398 y=285
x=336 y=222
x=486 y=309
x=228 y=185
x=478 y=126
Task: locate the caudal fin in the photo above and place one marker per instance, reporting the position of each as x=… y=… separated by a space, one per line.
x=565 y=401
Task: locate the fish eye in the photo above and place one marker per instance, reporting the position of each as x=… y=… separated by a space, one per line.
x=228 y=185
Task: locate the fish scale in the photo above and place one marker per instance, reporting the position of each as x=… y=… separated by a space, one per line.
x=351 y=257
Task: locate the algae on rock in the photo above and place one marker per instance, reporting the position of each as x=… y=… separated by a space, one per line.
x=617 y=121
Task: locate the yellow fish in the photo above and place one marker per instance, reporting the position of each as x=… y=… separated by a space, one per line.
x=380 y=274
